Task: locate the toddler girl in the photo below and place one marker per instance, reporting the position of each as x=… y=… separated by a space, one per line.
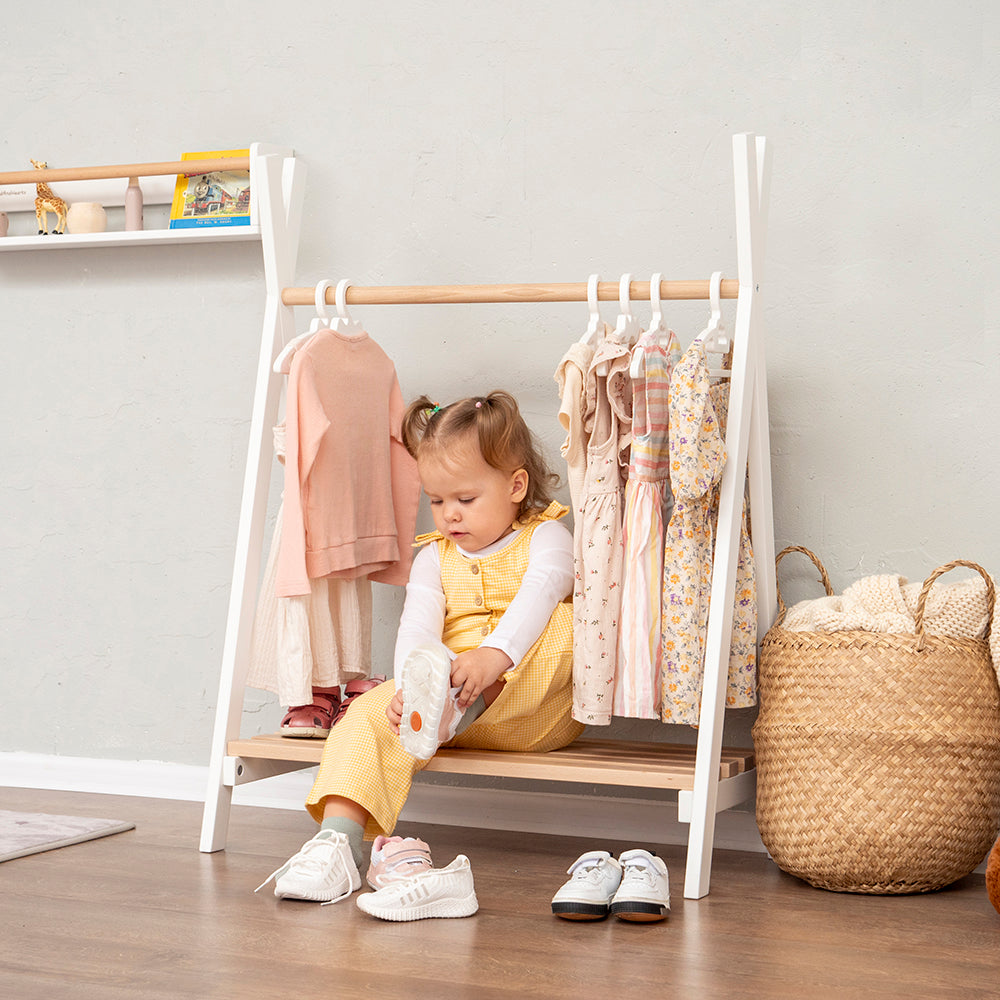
x=484 y=652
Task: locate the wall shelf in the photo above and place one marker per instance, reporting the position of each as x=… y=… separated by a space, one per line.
x=67 y=241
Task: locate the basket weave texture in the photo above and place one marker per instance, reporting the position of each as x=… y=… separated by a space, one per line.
x=878 y=755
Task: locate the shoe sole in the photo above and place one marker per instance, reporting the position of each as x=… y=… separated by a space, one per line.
x=465 y=907
x=426 y=684
x=638 y=912
x=580 y=911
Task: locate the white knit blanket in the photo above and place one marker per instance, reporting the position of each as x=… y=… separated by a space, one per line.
x=887 y=603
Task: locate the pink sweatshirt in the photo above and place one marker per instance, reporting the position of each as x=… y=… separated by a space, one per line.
x=351 y=488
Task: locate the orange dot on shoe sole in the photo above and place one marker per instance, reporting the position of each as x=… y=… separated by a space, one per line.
x=416 y=723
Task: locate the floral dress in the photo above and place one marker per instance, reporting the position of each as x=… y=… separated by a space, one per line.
x=598 y=571
x=697 y=414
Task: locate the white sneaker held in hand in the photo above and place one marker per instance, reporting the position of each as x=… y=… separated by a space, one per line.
x=430 y=708
x=594 y=880
x=438 y=892
x=644 y=893
x=322 y=871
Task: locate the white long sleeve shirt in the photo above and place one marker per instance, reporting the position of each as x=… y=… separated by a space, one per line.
x=547 y=581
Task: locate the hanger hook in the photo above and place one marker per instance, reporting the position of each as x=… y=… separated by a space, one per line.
x=592 y=292
x=624 y=294
x=715 y=297
x=321 y=287
x=654 y=297
x=341 y=297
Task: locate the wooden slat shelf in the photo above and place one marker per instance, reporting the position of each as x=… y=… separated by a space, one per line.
x=598 y=762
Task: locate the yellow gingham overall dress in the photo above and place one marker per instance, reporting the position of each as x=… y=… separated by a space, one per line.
x=363 y=759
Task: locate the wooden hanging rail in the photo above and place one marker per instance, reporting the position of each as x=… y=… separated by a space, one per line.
x=366 y=295
x=126 y=170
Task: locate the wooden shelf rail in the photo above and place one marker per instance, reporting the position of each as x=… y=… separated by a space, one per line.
x=125 y=170
x=587 y=761
x=573 y=291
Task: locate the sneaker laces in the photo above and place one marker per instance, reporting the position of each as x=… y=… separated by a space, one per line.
x=638 y=870
x=310 y=861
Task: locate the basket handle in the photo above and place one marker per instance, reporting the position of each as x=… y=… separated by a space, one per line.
x=824 y=579
x=926 y=589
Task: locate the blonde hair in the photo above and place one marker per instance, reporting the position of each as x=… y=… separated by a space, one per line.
x=492 y=422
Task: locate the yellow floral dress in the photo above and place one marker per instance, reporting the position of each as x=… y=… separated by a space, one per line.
x=697 y=416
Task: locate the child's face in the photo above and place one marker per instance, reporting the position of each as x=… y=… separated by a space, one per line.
x=473 y=504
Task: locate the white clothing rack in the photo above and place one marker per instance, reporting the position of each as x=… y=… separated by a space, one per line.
x=712 y=780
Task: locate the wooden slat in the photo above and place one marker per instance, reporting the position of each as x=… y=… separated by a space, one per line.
x=599 y=762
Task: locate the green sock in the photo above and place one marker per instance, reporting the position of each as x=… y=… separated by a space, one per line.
x=355 y=835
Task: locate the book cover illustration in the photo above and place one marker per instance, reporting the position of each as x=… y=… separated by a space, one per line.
x=218 y=198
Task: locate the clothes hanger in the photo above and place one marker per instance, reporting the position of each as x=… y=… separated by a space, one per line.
x=321 y=321
x=595 y=315
x=656 y=327
x=627 y=328
x=343 y=322
x=714 y=337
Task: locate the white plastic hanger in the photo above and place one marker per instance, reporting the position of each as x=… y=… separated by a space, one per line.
x=627 y=328
x=595 y=315
x=656 y=327
x=714 y=337
x=343 y=322
x=321 y=321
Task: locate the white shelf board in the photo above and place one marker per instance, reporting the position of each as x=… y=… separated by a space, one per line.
x=67 y=241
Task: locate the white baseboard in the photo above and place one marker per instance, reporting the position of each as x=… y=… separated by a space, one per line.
x=595 y=816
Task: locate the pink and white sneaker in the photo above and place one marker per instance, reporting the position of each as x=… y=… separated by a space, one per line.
x=397 y=858
x=430 y=708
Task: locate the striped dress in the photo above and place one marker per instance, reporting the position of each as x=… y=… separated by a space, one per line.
x=647 y=502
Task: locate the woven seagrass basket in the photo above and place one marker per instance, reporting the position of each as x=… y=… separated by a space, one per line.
x=878 y=755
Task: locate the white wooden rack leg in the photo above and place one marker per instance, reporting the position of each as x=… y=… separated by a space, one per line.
x=710 y=778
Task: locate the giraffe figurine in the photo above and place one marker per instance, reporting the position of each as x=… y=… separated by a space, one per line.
x=47 y=202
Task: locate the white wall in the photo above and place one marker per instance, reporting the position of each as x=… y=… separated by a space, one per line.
x=494 y=141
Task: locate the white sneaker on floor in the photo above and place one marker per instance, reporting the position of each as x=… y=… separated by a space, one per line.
x=322 y=871
x=439 y=892
x=430 y=712
x=594 y=880
x=644 y=894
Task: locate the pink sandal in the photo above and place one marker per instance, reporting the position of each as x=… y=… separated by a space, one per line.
x=352 y=689
x=316 y=719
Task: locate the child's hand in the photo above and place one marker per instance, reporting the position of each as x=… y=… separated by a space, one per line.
x=394 y=711
x=477 y=669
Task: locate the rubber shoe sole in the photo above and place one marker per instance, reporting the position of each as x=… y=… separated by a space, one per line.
x=639 y=912
x=425 y=680
x=580 y=911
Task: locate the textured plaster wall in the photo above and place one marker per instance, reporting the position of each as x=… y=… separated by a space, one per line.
x=497 y=141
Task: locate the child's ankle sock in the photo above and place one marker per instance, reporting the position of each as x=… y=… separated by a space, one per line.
x=355 y=835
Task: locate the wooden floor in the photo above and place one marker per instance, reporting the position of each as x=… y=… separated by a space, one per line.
x=144 y=914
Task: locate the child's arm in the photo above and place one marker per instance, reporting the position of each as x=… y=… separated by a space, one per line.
x=422 y=620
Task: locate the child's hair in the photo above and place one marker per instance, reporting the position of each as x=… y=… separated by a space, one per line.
x=494 y=422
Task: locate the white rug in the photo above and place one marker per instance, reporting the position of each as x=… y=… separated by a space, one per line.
x=29 y=833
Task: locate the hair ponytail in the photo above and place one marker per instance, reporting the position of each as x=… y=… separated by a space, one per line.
x=495 y=424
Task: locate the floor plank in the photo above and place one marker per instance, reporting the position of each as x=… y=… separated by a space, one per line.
x=145 y=914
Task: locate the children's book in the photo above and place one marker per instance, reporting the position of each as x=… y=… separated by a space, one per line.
x=218 y=198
